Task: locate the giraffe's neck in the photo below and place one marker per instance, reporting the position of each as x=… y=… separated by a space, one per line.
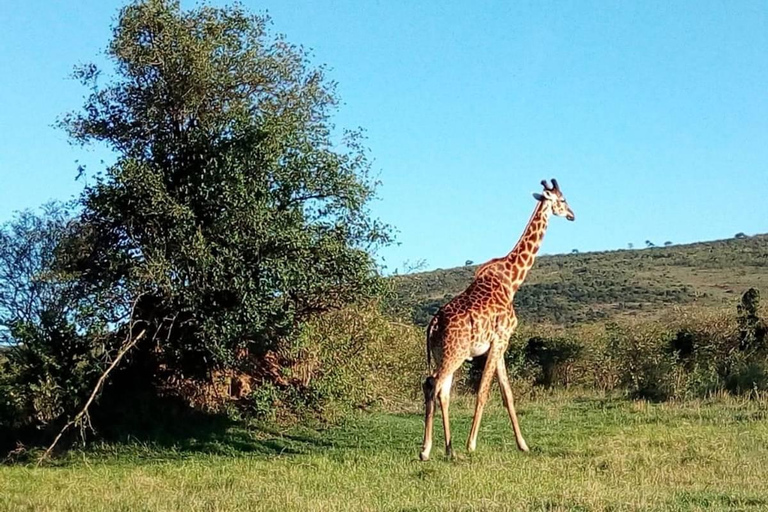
x=520 y=259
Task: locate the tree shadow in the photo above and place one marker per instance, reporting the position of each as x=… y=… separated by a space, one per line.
x=130 y=420
x=169 y=427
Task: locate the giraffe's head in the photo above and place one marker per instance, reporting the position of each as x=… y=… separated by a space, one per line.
x=554 y=197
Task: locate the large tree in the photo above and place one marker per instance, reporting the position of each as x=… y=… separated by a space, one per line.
x=234 y=210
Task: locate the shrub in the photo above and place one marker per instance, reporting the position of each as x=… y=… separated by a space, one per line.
x=752 y=329
x=352 y=358
x=553 y=358
x=746 y=374
x=645 y=370
x=718 y=350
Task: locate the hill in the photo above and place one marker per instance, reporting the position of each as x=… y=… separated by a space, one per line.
x=585 y=287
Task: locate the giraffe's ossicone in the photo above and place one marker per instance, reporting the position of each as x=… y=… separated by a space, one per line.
x=480 y=321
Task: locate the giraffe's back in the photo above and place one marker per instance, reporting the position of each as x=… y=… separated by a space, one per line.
x=466 y=326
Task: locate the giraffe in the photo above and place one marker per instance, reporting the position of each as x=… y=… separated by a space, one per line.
x=480 y=321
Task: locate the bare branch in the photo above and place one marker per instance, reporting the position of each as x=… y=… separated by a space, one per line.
x=84 y=411
x=82 y=418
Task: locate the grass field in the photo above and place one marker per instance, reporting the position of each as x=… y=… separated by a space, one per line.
x=588 y=453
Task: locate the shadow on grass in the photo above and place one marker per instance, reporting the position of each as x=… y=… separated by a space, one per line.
x=172 y=429
x=696 y=500
x=153 y=428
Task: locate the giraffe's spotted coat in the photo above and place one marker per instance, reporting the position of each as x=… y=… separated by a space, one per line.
x=481 y=320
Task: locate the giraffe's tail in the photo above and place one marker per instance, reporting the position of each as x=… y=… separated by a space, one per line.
x=430 y=330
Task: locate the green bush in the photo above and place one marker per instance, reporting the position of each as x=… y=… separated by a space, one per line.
x=753 y=332
x=553 y=358
x=351 y=358
x=746 y=375
x=721 y=351
x=263 y=402
x=645 y=370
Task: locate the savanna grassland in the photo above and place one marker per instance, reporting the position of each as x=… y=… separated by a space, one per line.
x=588 y=453
x=207 y=328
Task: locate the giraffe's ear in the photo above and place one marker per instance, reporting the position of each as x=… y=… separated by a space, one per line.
x=538 y=196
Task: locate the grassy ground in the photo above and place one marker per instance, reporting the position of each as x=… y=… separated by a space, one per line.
x=587 y=453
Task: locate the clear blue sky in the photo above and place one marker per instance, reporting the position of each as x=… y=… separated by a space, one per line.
x=652 y=115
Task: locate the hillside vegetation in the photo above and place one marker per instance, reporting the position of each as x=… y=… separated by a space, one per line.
x=586 y=287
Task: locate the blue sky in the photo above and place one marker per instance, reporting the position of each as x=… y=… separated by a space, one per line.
x=652 y=115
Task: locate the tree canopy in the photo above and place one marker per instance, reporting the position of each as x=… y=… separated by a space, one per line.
x=233 y=214
x=233 y=205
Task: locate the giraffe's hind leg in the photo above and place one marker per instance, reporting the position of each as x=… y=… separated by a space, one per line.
x=444 y=395
x=429 y=416
x=438 y=386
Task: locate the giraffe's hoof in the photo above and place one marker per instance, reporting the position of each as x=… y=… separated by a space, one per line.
x=423 y=456
x=523 y=447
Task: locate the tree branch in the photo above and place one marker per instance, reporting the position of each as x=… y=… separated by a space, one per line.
x=128 y=344
x=84 y=411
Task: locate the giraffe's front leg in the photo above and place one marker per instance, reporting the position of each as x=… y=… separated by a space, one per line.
x=506 y=394
x=482 y=396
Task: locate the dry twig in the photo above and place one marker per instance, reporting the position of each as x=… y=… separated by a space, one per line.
x=128 y=344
